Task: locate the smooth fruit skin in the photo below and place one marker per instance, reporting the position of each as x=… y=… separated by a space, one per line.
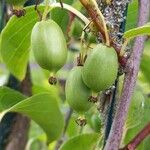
x=96 y=122
x=16 y=2
x=49 y=45
x=77 y=93
x=100 y=68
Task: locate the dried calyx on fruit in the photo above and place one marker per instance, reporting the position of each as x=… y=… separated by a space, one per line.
x=81 y=121
x=17 y=7
x=49 y=46
x=100 y=69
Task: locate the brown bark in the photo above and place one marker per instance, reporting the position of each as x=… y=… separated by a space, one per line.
x=19 y=131
x=133 y=144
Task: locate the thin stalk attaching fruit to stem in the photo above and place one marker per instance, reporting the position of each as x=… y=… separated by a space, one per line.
x=122 y=51
x=82 y=47
x=61 y=3
x=46 y=10
x=71 y=9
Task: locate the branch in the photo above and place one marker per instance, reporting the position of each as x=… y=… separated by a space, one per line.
x=129 y=81
x=138 y=138
x=71 y=9
x=94 y=16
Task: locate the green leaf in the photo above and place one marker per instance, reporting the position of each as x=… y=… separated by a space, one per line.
x=72 y=129
x=146 y=119
x=145 y=63
x=132 y=15
x=61 y=16
x=143 y=30
x=146 y=144
x=15 y=42
x=44 y=110
x=145 y=69
x=136 y=110
x=133 y=131
x=9 y=97
x=81 y=142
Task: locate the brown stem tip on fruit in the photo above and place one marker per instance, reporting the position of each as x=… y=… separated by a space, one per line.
x=61 y=3
x=79 y=60
x=81 y=121
x=52 y=80
x=93 y=99
x=19 y=13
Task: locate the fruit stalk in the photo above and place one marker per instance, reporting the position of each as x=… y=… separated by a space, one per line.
x=46 y=10
x=133 y=64
x=70 y=9
x=73 y=10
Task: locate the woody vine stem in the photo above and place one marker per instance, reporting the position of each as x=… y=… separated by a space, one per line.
x=133 y=64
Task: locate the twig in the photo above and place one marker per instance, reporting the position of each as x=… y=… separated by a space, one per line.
x=94 y=16
x=61 y=3
x=138 y=138
x=72 y=10
x=46 y=10
x=36 y=8
x=114 y=139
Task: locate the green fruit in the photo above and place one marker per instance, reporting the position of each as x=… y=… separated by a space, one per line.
x=49 y=45
x=96 y=122
x=77 y=93
x=16 y=2
x=100 y=68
